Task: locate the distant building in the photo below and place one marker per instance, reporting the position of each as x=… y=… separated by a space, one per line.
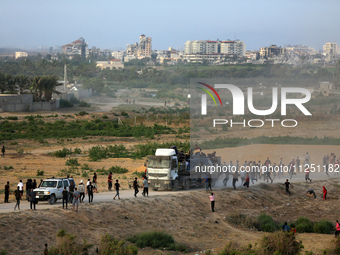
x=113 y=63
x=271 y=51
x=20 y=54
x=237 y=47
x=140 y=50
x=76 y=48
x=118 y=55
x=300 y=49
x=331 y=51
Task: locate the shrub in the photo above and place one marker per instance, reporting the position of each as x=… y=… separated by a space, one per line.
x=334 y=247
x=283 y=243
x=84 y=104
x=118 y=170
x=323 y=227
x=62 y=153
x=138 y=174
x=72 y=162
x=233 y=249
x=156 y=240
x=40 y=173
x=243 y=220
x=77 y=151
x=266 y=223
x=8 y=167
x=303 y=225
x=125 y=114
x=82 y=113
x=98 y=152
x=67 y=244
x=65 y=103
x=87 y=167
x=84 y=174
x=109 y=245
x=11 y=118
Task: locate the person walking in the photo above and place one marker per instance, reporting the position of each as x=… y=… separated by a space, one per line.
x=21 y=187
x=76 y=196
x=285 y=227
x=135 y=186
x=209 y=182
x=324 y=191
x=94 y=183
x=307 y=175
x=109 y=181
x=90 y=192
x=287 y=183
x=117 y=185
x=7 y=190
x=65 y=197
x=206 y=182
x=337 y=229
x=32 y=199
x=3 y=151
x=212 y=201
x=17 y=195
x=28 y=188
x=81 y=189
x=145 y=187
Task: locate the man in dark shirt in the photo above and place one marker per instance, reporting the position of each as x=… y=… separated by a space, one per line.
x=17 y=195
x=117 y=185
x=28 y=188
x=135 y=186
x=65 y=197
x=71 y=190
x=90 y=192
x=287 y=183
x=109 y=181
x=7 y=192
x=32 y=199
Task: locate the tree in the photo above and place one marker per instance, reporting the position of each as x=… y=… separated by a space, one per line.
x=44 y=85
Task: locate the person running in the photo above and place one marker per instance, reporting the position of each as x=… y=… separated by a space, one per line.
x=76 y=196
x=109 y=181
x=81 y=189
x=145 y=187
x=90 y=192
x=7 y=191
x=235 y=179
x=246 y=183
x=324 y=191
x=117 y=185
x=287 y=183
x=212 y=201
x=65 y=197
x=307 y=175
x=135 y=186
x=337 y=229
x=31 y=196
x=17 y=195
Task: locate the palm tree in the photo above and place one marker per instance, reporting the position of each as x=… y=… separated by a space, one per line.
x=22 y=82
x=7 y=83
x=50 y=83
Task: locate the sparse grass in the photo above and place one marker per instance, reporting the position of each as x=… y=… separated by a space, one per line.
x=109 y=245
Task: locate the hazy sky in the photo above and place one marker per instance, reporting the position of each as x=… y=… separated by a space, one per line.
x=110 y=24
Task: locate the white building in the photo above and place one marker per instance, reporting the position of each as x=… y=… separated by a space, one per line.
x=20 y=54
x=331 y=51
x=215 y=47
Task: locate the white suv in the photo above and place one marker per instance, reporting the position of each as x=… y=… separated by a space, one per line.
x=51 y=189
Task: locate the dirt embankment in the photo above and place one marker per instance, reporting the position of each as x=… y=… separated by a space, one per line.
x=187 y=216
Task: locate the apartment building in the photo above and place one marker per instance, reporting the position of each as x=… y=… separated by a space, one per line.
x=271 y=51
x=143 y=49
x=331 y=51
x=215 y=47
x=20 y=54
x=77 y=48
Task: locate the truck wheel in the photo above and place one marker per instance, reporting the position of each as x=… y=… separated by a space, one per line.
x=176 y=185
x=187 y=184
x=52 y=199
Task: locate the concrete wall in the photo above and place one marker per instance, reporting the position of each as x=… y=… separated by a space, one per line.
x=24 y=103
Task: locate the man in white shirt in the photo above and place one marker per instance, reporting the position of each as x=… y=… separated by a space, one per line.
x=21 y=187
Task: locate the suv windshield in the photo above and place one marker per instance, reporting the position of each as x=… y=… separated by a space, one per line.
x=159 y=163
x=51 y=184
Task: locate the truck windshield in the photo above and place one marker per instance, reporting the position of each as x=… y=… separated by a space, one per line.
x=159 y=163
x=51 y=184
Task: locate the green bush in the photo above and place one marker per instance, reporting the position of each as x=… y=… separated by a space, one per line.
x=40 y=173
x=62 y=153
x=303 y=225
x=84 y=104
x=323 y=227
x=109 y=245
x=77 y=151
x=11 y=118
x=266 y=223
x=118 y=170
x=156 y=240
x=65 y=103
x=8 y=167
x=98 y=152
x=72 y=162
x=82 y=113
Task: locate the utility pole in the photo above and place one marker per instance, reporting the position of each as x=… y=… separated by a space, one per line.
x=65 y=77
